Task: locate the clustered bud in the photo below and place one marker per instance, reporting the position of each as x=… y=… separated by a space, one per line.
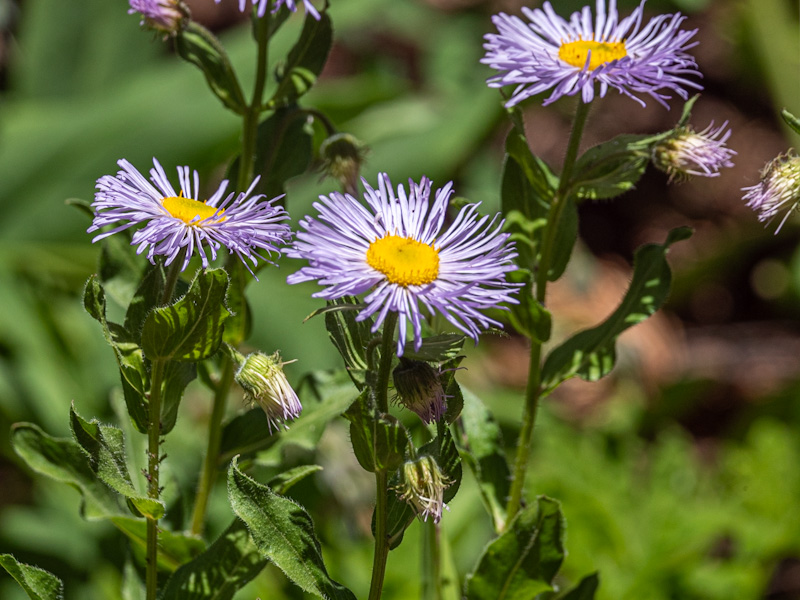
x=264 y=382
x=687 y=152
x=166 y=16
x=779 y=189
x=423 y=487
x=419 y=388
x=342 y=156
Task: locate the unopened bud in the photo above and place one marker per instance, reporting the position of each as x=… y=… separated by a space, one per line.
x=264 y=382
x=419 y=388
x=342 y=156
x=687 y=152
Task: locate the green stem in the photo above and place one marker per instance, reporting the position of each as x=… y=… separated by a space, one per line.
x=432 y=562
x=385 y=367
x=153 y=461
x=208 y=476
x=171 y=280
x=533 y=391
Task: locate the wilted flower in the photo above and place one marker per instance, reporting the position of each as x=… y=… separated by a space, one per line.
x=419 y=388
x=342 y=155
x=177 y=222
x=290 y=4
x=399 y=251
x=264 y=382
x=778 y=190
x=167 y=16
x=571 y=57
x=423 y=487
x=687 y=152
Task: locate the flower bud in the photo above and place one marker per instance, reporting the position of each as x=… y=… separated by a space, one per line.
x=419 y=388
x=263 y=381
x=687 y=152
x=423 y=487
x=342 y=156
x=166 y=16
x=779 y=189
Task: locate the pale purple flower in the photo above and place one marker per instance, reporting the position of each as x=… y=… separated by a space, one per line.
x=423 y=485
x=778 y=190
x=178 y=222
x=263 y=4
x=587 y=55
x=264 y=383
x=687 y=152
x=167 y=16
x=399 y=252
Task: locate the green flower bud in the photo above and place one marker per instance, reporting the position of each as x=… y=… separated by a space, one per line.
x=419 y=388
x=342 y=156
x=264 y=382
x=423 y=487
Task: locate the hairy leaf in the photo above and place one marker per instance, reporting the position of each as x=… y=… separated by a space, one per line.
x=37 y=583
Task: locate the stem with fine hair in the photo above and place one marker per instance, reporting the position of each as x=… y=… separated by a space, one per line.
x=381 y=476
x=153 y=461
x=533 y=391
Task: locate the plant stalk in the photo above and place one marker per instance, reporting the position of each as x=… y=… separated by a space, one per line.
x=153 y=461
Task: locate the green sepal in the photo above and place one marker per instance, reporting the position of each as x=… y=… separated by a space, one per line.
x=521 y=563
x=349 y=336
x=191 y=328
x=104 y=447
x=379 y=440
x=791 y=120
x=37 y=583
x=283 y=532
x=197 y=45
x=305 y=61
x=686 y=113
x=591 y=354
x=455 y=398
x=482 y=449
x=529 y=317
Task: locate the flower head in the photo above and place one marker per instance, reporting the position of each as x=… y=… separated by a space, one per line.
x=342 y=156
x=399 y=251
x=687 y=152
x=419 y=388
x=423 y=487
x=167 y=16
x=264 y=382
x=778 y=190
x=177 y=222
x=571 y=57
x=290 y=4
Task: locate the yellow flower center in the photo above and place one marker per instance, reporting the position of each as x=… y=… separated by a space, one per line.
x=575 y=53
x=403 y=260
x=187 y=209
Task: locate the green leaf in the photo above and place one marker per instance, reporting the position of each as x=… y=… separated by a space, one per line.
x=305 y=61
x=191 y=328
x=482 y=449
x=350 y=337
x=285 y=481
x=585 y=590
x=791 y=120
x=197 y=45
x=566 y=235
x=220 y=571
x=523 y=561
x=119 y=268
x=64 y=460
x=177 y=375
x=104 y=447
x=174 y=548
x=37 y=583
x=591 y=354
x=147 y=296
x=455 y=399
x=444 y=450
x=284 y=149
x=284 y=533
x=612 y=168
x=240 y=323
x=529 y=317
x=379 y=440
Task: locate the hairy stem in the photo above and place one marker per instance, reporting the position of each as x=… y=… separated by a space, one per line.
x=153 y=461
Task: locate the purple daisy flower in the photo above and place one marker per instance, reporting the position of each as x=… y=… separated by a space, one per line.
x=167 y=16
x=571 y=57
x=778 y=190
x=687 y=152
x=178 y=222
x=290 y=4
x=399 y=252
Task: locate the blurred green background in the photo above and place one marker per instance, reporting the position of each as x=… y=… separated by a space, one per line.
x=679 y=474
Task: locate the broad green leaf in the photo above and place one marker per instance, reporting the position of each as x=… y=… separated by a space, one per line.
x=350 y=337
x=585 y=590
x=220 y=571
x=118 y=268
x=529 y=317
x=174 y=548
x=284 y=533
x=37 y=583
x=436 y=348
x=191 y=328
x=566 y=235
x=177 y=375
x=399 y=514
x=197 y=45
x=305 y=61
x=63 y=460
x=481 y=445
x=104 y=447
x=379 y=440
x=523 y=561
x=146 y=298
x=591 y=354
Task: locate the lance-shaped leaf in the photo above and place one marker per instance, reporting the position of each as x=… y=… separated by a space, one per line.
x=237 y=326
x=305 y=61
x=529 y=317
x=174 y=548
x=481 y=445
x=585 y=590
x=591 y=354
x=191 y=328
x=177 y=375
x=197 y=45
x=379 y=440
x=350 y=337
x=284 y=533
x=791 y=120
x=37 y=583
x=523 y=561
x=147 y=297
x=104 y=447
x=566 y=236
